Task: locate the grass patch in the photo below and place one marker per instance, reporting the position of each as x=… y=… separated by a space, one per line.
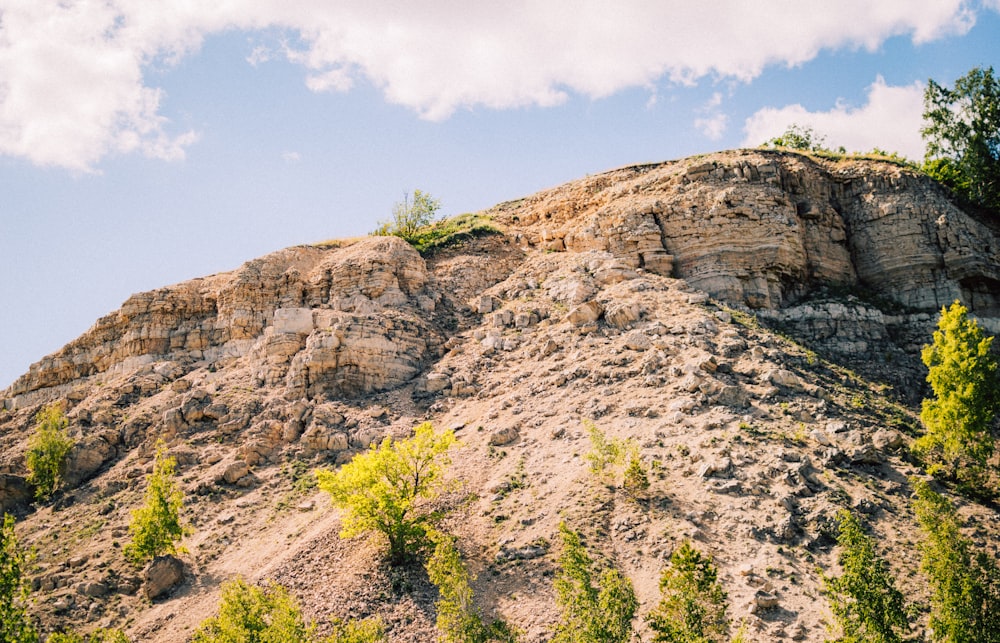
x=449 y=232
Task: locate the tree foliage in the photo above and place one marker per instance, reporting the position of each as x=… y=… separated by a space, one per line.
x=47 y=450
x=391 y=489
x=866 y=605
x=798 y=137
x=962 y=132
x=692 y=607
x=250 y=614
x=458 y=618
x=157 y=526
x=15 y=624
x=410 y=215
x=963 y=375
x=965 y=583
x=592 y=612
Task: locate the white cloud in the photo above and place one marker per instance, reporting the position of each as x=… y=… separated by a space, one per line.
x=713 y=127
x=890 y=120
x=713 y=123
x=73 y=90
x=291 y=157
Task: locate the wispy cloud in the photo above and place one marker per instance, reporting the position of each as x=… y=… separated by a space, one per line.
x=74 y=88
x=890 y=120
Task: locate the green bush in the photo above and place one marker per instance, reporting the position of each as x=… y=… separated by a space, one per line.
x=965 y=583
x=600 y=612
x=156 y=526
x=865 y=602
x=635 y=479
x=48 y=448
x=797 y=137
x=410 y=215
x=963 y=374
x=692 y=607
x=391 y=489
x=15 y=624
x=251 y=614
x=458 y=618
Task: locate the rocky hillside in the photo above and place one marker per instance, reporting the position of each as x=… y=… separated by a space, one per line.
x=647 y=299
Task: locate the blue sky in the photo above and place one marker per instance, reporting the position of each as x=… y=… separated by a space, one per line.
x=142 y=144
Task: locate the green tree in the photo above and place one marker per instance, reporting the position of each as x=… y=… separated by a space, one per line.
x=391 y=489
x=157 y=526
x=47 y=450
x=410 y=215
x=15 y=624
x=692 y=607
x=962 y=133
x=458 y=618
x=797 y=137
x=963 y=376
x=965 y=583
x=600 y=612
x=865 y=602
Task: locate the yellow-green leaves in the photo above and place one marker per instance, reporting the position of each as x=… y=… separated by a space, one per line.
x=390 y=489
x=47 y=450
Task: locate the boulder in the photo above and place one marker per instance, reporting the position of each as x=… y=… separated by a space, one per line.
x=504 y=436
x=161 y=575
x=235 y=471
x=586 y=313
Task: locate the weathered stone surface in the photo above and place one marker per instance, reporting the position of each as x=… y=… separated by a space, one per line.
x=503 y=436
x=235 y=471
x=161 y=575
x=762 y=228
x=586 y=313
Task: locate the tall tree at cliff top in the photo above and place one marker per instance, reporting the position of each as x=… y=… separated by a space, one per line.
x=962 y=131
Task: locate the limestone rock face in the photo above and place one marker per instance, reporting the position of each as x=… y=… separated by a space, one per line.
x=342 y=321
x=765 y=229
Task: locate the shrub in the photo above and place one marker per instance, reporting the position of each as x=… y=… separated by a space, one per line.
x=965 y=584
x=797 y=137
x=864 y=599
x=251 y=614
x=15 y=624
x=591 y=613
x=156 y=526
x=458 y=619
x=963 y=375
x=368 y=630
x=410 y=215
x=692 y=607
x=391 y=489
x=636 y=480
x=604 y=452
x=47 y=450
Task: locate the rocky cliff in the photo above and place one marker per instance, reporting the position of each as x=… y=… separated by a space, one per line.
x=639 y=299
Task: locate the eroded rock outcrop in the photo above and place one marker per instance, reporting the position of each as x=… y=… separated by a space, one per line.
x=766 y=229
